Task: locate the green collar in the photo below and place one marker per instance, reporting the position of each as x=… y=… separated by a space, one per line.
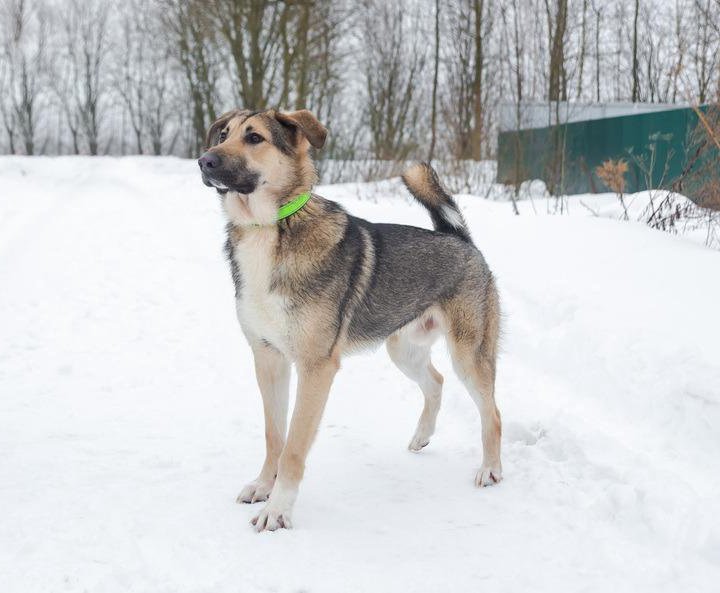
x=293 y=206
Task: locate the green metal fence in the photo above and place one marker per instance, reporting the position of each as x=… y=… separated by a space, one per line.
x=663 y=149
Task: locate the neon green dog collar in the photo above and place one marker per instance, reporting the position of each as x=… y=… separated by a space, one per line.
x=293 y=206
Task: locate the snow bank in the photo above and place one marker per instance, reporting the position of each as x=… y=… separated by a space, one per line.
x=130 y=419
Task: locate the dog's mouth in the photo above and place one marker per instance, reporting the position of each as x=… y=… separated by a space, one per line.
x=218 y=185
x=243 y=185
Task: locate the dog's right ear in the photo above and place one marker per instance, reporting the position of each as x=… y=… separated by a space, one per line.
x=213 y=135
x=306 y=123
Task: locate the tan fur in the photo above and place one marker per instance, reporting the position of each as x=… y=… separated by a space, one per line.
x=272 y=370
x=284 y=176
x=472 y=337
x=342 y=344
x=222 y=121
x=314 y=381
x=421 y=181
x=273 y=258
x=473 y=340
x=314 y=131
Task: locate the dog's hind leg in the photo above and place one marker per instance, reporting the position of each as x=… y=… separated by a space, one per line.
x=473 y=346
x=272 y=370
x=413 y=359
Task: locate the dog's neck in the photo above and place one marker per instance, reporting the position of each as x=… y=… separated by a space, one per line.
x=257 y=208
x=260 y=208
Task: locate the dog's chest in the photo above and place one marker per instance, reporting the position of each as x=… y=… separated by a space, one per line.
x=261 y=311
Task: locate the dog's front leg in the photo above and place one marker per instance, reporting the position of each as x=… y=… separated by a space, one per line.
x=272 y=370
x=314 y=380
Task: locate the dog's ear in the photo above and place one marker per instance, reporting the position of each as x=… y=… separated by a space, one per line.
x=306 y=123
x=213 y=135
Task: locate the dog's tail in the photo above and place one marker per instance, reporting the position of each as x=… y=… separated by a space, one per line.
x=423 y=183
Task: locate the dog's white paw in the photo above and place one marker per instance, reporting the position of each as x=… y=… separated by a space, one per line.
x=270 y=519
x=488 y=475
x=256 y=491
x=422 y=435
x=419 y=440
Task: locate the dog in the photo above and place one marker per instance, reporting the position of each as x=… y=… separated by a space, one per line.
x=317 y=284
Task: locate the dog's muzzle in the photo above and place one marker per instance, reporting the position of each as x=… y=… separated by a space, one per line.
x=226 y=176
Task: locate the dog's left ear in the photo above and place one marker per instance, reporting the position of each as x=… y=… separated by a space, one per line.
x=307 y=124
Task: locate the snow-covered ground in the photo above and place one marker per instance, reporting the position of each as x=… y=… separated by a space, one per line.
x=130 y=419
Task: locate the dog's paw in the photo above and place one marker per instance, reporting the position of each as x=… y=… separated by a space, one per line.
x=422 y=435
x=488 y=475
x=256 y=491
x=418 y=441
x=270 y=519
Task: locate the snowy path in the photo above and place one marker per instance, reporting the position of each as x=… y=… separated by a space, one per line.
x=129 y=416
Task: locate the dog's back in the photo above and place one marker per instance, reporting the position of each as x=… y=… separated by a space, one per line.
x=413 y=269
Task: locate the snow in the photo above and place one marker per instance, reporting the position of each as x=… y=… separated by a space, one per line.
x=130 y=419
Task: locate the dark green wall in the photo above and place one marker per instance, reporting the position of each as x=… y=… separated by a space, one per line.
x=565 y=156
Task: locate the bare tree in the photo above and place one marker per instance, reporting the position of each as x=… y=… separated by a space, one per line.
x=557 y=26
x=704 y=46
x=25 y=58
x=149 y=75
x=251 y=32
x=597 y=7
x=191 y=32
x=161 y=106
x=143 y=78
x=63 y=86
x=513 y=43
x=467 y=102
x=314 y=62
x=132 y=73
x=5 y=110
x=436 y=70
x=85 y=48
x=635 y=63
x=392 y=68
x=581 y=52
x=680 y=50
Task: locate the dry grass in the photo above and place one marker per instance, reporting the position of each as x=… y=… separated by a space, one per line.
x=612 y=174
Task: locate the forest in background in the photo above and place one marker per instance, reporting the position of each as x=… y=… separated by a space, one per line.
x=392 y=80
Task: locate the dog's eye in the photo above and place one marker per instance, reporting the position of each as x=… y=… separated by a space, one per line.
x=223 y=136
x=253 y=138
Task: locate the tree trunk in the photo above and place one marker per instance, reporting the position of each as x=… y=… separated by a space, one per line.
x=433 y=113
x=597 y=54
x=581 y=58
x=557 y=53
x=635 y=73
x=477 y=83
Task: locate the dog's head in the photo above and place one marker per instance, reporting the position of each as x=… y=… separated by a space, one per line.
x=265 y=152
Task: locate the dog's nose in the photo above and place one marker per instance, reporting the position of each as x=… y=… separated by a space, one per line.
x=209 y=160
